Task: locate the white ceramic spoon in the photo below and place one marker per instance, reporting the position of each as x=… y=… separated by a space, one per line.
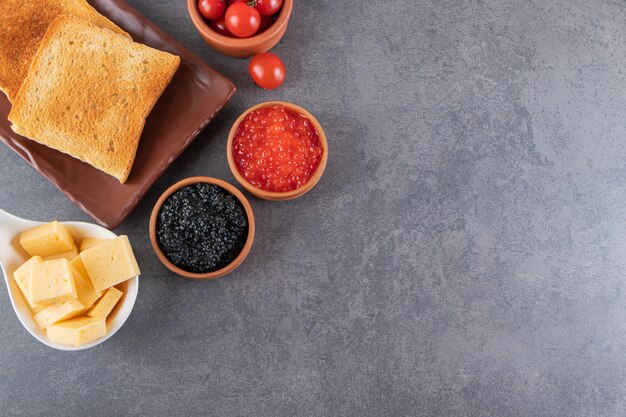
x=12 y=256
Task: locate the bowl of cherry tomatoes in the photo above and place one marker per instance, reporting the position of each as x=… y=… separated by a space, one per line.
x=241 y=28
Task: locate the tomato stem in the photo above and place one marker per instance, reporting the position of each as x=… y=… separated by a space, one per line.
x=251 y=3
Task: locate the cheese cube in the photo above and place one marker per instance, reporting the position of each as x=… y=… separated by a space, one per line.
x=69 y=255
x=110 y=263
x=21 y=275
x=58 y=312
x=46 y=240
x=77 y=267
x=78 y=331
x=51 y=282
x=90 y=242
x=40 y=307
x=86 y=294
x=105 y=305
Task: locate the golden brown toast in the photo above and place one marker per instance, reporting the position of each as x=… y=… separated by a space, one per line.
x=22 y=25
x=88 y=93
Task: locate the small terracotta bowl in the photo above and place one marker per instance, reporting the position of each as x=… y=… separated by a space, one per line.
x=270 y=195
x=220 y=272
x=241 y=47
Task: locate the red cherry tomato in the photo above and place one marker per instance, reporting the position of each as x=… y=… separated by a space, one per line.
x=211 y=9
x=268 y=7
x=219 y=25
x=242 y=20
x=267 y=70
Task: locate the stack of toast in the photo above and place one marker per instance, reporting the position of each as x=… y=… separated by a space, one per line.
x=77 y=82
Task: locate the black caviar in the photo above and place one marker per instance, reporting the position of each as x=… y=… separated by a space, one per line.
x=201 y=228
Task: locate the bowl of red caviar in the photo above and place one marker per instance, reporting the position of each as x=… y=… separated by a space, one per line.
x=277 y=151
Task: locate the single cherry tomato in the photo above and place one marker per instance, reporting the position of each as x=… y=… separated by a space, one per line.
x=219 y=25
x=268 y=7
x=267 y=70
x=211 y=9
x=242 y=20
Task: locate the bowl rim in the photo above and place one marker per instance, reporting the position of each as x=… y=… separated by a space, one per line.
x=207 y=275
x=239 y=43
x=274 y=195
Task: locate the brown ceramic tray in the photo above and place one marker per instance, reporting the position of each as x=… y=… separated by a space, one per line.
x=196 y=94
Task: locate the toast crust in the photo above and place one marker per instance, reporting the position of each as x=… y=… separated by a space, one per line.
x=88 y=93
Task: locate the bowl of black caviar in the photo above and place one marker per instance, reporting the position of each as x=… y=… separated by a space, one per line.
x=202 y=228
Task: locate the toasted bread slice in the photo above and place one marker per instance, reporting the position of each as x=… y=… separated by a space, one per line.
x=88 y=93
x=22 y=26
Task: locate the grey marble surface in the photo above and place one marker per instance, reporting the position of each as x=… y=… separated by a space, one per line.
x=464 y=254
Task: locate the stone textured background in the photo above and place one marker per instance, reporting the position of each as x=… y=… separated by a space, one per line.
x=462 y=256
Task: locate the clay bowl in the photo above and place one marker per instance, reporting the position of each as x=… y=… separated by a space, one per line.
x=209 y=275
x=241 y=47
x=269 y=195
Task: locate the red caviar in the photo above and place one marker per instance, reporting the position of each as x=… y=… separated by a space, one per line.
x=277 y=149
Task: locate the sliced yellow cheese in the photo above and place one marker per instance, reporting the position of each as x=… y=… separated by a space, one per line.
x=77 y=267
x=105 y=305
x=47 y=240
x=69 y=255
x=90 y=242
x=110 y=263
x=58 y=312
x=51 y=282
x=21 y=275
x=39 y=307
x=85 y=291
x=77 y=331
